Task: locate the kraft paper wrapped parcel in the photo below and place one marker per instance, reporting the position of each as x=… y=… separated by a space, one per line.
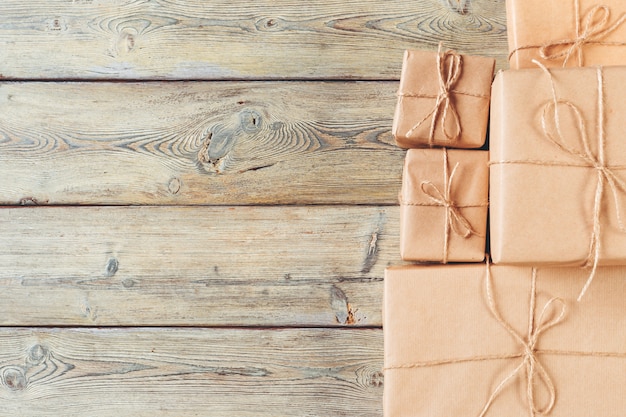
x=460 y=342
x=443 y=100
x=558 y=167
x=566 y=33
x=443 y=205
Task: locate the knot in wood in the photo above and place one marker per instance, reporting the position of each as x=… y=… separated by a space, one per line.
x=250 y=121
x=38 y=354
x=270 y=24
x=112 y=267
x=14 y=378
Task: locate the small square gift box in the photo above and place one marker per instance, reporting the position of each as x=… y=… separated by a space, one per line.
x=558 y=167
x=482 y=341
x=566 y=33
x=443 y=100
x=443 y=205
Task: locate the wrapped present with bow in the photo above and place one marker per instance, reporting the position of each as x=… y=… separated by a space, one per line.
x=558 y=167
x=566 y=33
x=443 y=100
x=443 y=205
x=481 y=341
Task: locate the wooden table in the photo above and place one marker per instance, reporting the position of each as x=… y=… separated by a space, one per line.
x=209 y=194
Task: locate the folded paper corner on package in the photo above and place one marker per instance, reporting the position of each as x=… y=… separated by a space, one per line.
x=571 y=33
x=447 y=353
x=443 y=100
x=557 y=195
x=444 y=202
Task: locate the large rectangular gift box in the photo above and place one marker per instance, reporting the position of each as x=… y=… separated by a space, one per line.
x=566 y=33
x=443 y=100
x=514 y=343
x=558 y=167
x=443 y=205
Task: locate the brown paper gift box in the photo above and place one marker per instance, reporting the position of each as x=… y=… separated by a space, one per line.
x=443 y=213
x=424 y=108
x=446 y=353
x=566 y=32
x=557 y=198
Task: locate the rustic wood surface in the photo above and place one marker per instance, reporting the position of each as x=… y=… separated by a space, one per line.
x=208 y=266
x=237 y=39
x=191 y=372
x=217 y=244
x=198 y=143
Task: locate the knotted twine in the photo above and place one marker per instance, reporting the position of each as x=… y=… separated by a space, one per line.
x=596 y=27
x=454 y=221
x=535 y=371
x=605 y=174
x=449 y=65
x=530 y=366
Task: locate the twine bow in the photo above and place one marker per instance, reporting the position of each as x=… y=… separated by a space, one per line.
x=530 y=366
x=534 y=370
x=454 y=220
x=449 y=65
x=605 y=174
x=594 y=28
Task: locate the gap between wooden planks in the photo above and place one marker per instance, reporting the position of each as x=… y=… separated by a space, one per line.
x=226 y=39
x=195 y=266
x=190 y=372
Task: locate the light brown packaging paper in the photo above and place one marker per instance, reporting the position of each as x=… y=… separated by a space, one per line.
x=558 y=202
x=446 y=353
x=568 y=33
x=443 y=214
x=423 y=109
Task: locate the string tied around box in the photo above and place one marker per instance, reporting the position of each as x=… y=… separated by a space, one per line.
x=606 y=177
x=449 y=66
x=455 y=221
x=530 y=367
x=590 y=30
x=535 y=371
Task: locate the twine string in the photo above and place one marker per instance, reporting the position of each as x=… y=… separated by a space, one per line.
x=595 y=27
x=449 y=65
x=535 y=371
x=551 y=126
x=605 y=174
x=454 y=220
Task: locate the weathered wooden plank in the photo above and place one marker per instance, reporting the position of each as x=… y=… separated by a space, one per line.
x=227 y=39
x=208 y=266
x=191 y=372
x=198 y=143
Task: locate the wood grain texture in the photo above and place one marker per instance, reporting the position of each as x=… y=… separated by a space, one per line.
x=191 y=372
x=207 y=266
x=237 y=39
x=198 y=143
